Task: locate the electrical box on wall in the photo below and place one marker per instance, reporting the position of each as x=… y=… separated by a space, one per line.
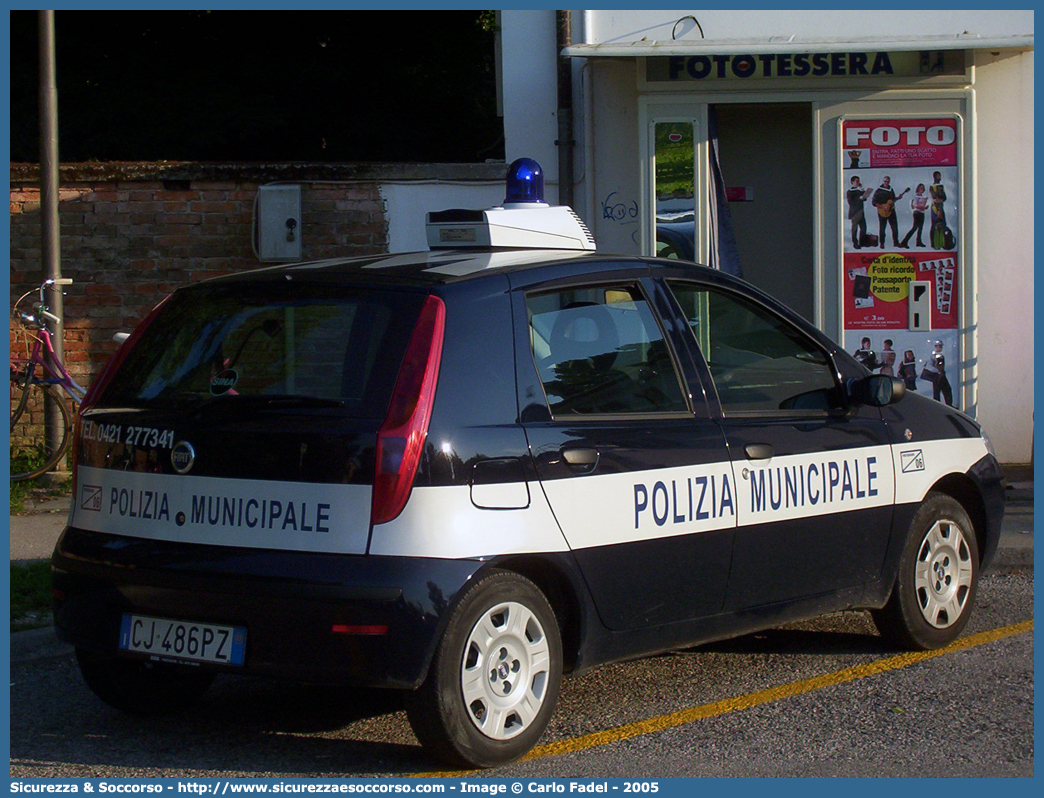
x=279 y=223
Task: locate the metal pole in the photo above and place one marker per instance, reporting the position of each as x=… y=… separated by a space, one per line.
x=565 y=140
x=49 y=224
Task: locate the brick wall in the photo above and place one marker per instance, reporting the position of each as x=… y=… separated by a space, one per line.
x=131 y=233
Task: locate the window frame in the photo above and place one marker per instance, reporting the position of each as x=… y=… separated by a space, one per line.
x=371 y=403
x=844 y=406
x=605 y=281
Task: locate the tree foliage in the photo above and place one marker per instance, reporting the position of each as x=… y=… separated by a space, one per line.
x=262 y=86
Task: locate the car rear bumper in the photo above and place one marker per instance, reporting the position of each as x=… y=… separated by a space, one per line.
x=322 y=618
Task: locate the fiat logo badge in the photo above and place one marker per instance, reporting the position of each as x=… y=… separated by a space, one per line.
x=182 y=456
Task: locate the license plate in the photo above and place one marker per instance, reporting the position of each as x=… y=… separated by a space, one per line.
x=183 y=640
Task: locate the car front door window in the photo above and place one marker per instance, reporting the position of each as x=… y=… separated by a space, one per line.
x=758 y=361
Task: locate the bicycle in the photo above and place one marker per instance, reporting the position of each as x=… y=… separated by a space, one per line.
x=35 y=380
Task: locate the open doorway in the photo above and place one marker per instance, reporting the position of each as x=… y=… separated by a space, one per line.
x=766 y=150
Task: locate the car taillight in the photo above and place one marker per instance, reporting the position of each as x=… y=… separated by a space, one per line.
x=400 y=441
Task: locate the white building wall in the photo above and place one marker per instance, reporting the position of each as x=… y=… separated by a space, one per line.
x=530 y=78
x=406 y=204
x=611 y=207
x=1005 y=232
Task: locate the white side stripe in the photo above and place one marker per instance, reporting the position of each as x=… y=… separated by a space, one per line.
x=443 y=522
x=822 y=483
x=644 y=505
x=919 y=465
x=262 y=514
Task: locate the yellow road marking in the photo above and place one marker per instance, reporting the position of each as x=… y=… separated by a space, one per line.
x=681 y=717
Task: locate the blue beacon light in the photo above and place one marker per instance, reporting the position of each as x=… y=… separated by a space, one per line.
x=525 y=183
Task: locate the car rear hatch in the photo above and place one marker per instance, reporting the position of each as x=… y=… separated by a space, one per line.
x=247 y=414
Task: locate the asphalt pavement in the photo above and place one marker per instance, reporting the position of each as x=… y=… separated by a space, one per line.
x=35 y=530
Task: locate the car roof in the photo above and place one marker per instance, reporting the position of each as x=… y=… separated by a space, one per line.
x=428 y=269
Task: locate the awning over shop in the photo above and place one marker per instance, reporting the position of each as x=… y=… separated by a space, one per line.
x=646 y=48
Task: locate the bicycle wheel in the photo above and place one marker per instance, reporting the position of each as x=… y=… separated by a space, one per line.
x=32 y=454
x=19 y=396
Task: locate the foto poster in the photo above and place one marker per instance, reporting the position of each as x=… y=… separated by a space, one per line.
x=901 y=228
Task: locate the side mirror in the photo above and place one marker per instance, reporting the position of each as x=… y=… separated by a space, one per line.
x=877 y=390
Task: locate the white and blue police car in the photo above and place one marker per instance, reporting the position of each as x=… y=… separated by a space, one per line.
x=465 y=472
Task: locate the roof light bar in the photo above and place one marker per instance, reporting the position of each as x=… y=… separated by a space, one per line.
x=524 y=221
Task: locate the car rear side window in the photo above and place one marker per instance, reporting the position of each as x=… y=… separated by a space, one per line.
x=599 y=351
x=311 y=343
x=760 y=363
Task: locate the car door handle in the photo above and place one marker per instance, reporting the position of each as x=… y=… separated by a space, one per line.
x=758 y=451
x=581 y=458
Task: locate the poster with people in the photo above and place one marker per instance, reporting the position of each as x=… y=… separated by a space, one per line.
x=900 y=226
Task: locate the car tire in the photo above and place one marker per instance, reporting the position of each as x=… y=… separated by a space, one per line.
x=142 y=688
x=938 y=576
x=494 y=680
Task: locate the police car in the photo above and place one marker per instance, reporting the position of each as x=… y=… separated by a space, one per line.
x=465 y=472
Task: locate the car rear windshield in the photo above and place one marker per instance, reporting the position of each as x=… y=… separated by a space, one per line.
x=289 y=343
